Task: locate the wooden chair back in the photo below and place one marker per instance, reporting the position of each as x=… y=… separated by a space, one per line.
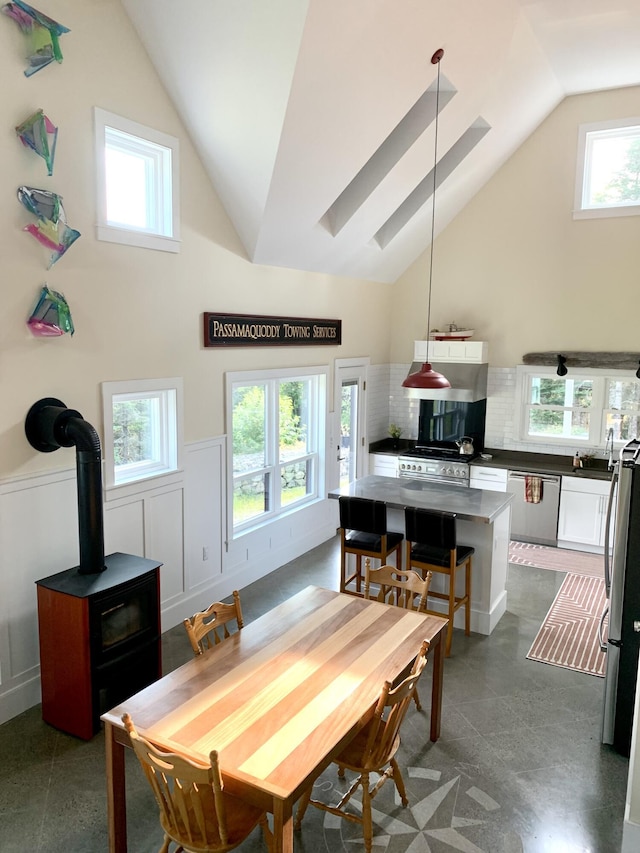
x=211 y=626
x=189 y=795
x=392 y=706
x=400 y=587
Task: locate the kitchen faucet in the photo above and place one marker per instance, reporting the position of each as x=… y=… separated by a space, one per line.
x=609 y=446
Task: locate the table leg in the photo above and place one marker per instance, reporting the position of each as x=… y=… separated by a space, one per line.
x=116 y=799
x=282 y=827
x=437 y=661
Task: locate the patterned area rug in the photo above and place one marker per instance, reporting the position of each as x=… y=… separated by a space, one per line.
x=556 y=559
x=569 y=634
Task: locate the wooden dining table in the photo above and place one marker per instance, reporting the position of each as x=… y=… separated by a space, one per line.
x=278 y=699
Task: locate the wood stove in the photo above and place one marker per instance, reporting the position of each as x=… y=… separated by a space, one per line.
x=99 y=622
x=100 y=640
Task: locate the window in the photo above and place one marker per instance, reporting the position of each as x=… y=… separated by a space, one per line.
x=277 y=426
x=138 y=184
x=608 y=169
x=143 y=429
x=578 y=409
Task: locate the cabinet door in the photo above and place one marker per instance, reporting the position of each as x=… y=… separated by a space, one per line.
x=580 y=518
x=383 y=465
x=490 y=479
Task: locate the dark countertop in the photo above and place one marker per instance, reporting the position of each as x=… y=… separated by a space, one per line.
x=475 y=505
x=543 y=463
x=514 y=460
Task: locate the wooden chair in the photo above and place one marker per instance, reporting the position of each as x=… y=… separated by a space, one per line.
x=431 y=546
x=373 y=750
x=400 y=588
x=363 y=532
x=195 y=811
x=202 y=628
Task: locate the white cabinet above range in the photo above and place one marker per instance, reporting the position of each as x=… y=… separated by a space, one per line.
x=475 y=352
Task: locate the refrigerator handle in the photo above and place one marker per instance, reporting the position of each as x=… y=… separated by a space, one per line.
x=607 y=528
x=603 y=645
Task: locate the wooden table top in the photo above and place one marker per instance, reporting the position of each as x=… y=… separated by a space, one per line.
x=280 y=696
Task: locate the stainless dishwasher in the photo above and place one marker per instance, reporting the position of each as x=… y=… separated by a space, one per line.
x=534 y=522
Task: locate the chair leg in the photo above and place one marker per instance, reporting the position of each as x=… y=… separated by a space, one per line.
x=367 y=823
x=416 y=699
x=266 y=833
x=399 y=782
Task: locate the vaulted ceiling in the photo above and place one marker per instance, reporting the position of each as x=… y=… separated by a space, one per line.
x=315 y=118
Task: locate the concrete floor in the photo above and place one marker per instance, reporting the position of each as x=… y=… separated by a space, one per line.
x=519 y=767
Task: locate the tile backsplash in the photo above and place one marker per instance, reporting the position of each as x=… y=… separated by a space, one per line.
x=388 y=403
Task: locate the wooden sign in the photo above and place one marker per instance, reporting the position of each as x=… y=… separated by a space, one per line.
x=259 y=330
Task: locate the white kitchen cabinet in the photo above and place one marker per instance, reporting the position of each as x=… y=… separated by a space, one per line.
x=383 y=464
x=476 y=352
x=486 y=477
x=583 y=511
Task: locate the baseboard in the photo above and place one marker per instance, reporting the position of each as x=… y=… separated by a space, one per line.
x=20 y=699
x=630 y=835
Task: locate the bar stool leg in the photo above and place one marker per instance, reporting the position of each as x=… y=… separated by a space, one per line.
x=467 y=589
x=452 y=609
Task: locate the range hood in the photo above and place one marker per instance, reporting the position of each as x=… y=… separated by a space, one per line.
x=468 y=382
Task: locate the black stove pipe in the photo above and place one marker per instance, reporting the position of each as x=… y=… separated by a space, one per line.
x=50 y=425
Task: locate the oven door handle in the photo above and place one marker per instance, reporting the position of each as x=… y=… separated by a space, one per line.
x=545 y=479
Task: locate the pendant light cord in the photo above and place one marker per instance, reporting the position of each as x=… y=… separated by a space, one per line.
x=435 y=60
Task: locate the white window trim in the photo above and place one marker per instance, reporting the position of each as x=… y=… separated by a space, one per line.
x=596 y=437
x=123 y=235
x=171 y=433
x=579 y=210
x=255 y=377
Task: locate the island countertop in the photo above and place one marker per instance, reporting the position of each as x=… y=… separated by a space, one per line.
x=477 y=505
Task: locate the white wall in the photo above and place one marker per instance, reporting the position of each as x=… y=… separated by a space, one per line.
x=516 y=267
x=138 y=314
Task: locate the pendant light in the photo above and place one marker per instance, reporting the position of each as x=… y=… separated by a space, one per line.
x=426 y=378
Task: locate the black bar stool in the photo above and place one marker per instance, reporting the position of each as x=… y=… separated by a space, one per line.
x=432 y=547
x=363 y=532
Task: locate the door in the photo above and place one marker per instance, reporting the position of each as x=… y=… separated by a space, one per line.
x=349 y=449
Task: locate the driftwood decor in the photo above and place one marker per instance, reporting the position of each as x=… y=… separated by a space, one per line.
x=612 y=360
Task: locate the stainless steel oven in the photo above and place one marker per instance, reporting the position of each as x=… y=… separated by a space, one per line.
x=450 y=468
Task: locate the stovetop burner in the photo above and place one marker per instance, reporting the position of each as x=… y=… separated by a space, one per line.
x=439 y=452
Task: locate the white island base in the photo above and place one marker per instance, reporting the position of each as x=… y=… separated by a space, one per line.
x=483 y=521
x=488 y=570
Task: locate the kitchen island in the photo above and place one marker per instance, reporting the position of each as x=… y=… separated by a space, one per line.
x=483 y=521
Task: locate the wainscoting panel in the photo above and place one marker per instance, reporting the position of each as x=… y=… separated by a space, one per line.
x=124 y=527
x=163 y=524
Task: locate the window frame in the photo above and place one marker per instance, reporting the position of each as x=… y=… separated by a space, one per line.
x=583 y=169
x=163 y=182
x=168 y=435
x=314 y=458
x=599 y=408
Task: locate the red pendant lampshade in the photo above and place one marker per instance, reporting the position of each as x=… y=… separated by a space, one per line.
x=426 y=378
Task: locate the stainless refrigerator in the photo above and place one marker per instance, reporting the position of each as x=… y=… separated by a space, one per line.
x=622 y=581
